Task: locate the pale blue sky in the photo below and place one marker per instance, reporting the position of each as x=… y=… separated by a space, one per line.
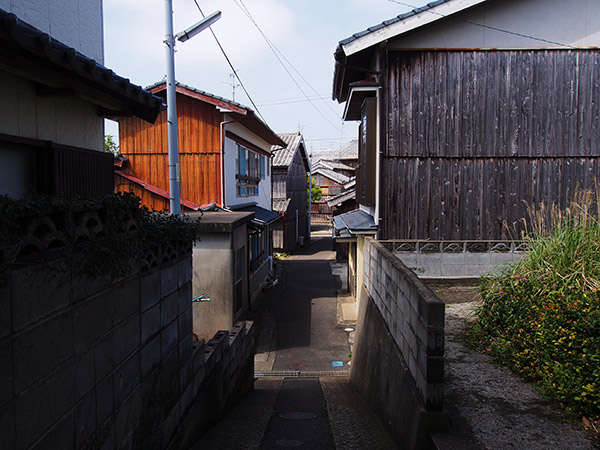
x=306 y=32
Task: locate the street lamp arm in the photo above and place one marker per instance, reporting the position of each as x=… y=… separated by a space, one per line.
x=198 y=27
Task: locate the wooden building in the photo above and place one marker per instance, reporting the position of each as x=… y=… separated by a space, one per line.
x=289 y=173
x=471 y=110
x=54 y=98
x=224 y=160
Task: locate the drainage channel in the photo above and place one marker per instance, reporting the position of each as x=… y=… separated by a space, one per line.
x=300 y=373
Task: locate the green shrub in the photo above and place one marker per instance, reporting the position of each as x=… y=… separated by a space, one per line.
x=541 y=317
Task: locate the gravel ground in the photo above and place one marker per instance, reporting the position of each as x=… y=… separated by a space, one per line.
x=491 y=404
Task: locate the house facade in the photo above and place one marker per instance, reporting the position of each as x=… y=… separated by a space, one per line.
x=224 y=161
x=289 y=170
x=55 y=93
x=470 y=111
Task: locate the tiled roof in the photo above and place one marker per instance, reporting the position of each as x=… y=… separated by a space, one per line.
x=282 y=157
x=38 y=56
x=341 y=198
x=280 y=204
x=391 y=21
x=337 y=177
x=349 y=151
x=201 y=92
x=353 y=222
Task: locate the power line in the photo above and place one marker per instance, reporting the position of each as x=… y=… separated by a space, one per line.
x=231 y=66
x=279 y=55
x=501 y=30
x=289 y=101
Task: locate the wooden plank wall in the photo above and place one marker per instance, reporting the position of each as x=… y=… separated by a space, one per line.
x=146 y=146
x=476 y=136
x=292 y=183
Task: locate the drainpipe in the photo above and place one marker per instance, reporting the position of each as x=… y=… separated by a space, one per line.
x=296 y=227
x=222 y=151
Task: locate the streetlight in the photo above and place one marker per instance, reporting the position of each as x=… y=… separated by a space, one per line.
x=174 y=195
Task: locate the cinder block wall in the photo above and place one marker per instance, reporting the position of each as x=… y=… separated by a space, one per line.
x=398 y=356
x=92 y=363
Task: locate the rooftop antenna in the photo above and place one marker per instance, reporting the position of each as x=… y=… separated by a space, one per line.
x=233 y=83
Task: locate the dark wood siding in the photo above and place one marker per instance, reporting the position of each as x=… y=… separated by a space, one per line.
x=476 y=136
x=292 y=184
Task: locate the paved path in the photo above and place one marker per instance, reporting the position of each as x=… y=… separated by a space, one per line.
x=308 y=337
x=300 y=333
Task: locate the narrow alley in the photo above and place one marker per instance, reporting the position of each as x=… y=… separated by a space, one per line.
x=302 y=397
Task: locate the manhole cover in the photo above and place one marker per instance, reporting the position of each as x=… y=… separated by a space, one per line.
x=289 y=443
x=298 y=416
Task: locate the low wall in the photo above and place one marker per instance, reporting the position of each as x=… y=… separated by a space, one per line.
x=457 y=259
x=397 y=362
x=91 y=363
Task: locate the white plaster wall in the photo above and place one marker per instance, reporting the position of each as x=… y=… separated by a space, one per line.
x=263 y=199
x=76 y=23
x=562 y=22
x=64 y=120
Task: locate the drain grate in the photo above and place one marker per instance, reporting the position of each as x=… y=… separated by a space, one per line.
x=301 y=373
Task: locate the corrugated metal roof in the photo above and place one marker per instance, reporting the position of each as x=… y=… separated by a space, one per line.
x=283 y=157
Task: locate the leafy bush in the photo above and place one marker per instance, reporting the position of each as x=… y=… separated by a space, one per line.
x=541 y=317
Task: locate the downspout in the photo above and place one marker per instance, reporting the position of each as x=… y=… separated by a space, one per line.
x=222 y=154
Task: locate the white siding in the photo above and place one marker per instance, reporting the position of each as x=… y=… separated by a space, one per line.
x=76 y=23
x=263 y=199
x=570 y=23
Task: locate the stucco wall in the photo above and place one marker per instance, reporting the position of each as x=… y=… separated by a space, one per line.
x=557 y=23
x=213 y=261
x=64 y=120
x=76 y=23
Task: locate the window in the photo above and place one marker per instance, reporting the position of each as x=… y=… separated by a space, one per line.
x=250 y=170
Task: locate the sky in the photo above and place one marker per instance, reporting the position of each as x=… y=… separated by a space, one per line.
x=291 y=85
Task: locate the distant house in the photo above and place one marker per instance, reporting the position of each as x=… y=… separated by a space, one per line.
x=289 y=172
x=224 y=160
x=334 y=171
x=55 y=94
x=471 y=110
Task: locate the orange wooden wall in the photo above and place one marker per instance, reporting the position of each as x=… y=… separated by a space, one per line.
x=146 y=146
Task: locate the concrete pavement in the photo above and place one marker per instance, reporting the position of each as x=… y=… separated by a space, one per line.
x=300 y=336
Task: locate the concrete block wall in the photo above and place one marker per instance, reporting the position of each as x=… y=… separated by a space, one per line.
x=398 y=355
x=88 y=362
x=451 y=260
x=414 y=316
